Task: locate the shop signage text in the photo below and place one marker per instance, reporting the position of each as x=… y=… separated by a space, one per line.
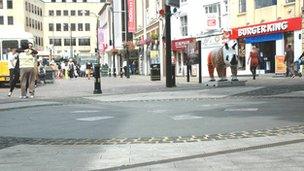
x=131 y=16
x=181 y=44
x=267 y=28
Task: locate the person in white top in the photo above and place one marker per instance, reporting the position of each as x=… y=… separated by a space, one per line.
x=14 y=70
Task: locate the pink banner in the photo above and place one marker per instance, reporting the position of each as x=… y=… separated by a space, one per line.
x=131 y=16
x=101 y=40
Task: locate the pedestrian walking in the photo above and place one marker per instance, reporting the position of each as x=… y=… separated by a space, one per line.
x=254 y=59
x=71 y=68
x=27 y=62
x=289 y=60
x=14 y=70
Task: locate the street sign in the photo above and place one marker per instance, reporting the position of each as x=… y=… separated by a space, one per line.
x=173 y=3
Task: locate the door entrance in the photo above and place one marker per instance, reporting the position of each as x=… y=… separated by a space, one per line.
x=267 y=54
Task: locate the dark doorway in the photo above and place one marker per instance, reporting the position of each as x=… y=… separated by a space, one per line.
x=267 y=53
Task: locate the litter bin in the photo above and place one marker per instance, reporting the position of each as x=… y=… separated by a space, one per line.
x=155 y=72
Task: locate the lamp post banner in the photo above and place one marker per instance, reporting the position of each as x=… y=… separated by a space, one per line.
x=131 y=16
x=101 y=39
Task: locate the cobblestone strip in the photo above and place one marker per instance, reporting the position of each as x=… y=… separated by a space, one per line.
x=12 y=141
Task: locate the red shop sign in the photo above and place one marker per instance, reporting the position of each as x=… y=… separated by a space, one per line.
x=131 y=16
x=181 y=44
x=267 y=28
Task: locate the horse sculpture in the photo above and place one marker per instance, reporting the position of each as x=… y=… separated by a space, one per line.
x=222 y=58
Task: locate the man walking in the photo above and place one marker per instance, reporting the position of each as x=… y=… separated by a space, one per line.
x=27 y=70
x=289 y=60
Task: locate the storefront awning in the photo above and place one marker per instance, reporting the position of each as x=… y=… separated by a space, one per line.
x=264 y=38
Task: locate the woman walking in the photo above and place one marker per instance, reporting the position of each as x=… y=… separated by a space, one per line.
x=254 y=59
x=13 y=69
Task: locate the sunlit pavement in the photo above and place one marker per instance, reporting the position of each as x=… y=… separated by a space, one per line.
x=190 y=127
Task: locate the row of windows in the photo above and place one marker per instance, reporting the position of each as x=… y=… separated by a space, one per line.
x=33 y=8
x=260 y=4
x=33 y=23
x=71 y=27
x=67 y=42
x=9 y=4
x=66 y=12
x=10 y=20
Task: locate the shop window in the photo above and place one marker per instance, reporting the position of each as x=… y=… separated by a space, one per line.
x=184 y=25
x=242 y=6
x=264 y=3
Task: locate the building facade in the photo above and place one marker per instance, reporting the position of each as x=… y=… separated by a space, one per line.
x=206 y=21
x=23 y=16
x=70 y=28
x=269 y=25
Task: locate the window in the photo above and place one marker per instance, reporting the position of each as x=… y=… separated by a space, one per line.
x=65 y=12
x=26 y=6
x=213 y=8
x=184 y=23
x=225 y=6
x=87 y=12
x=51 y=41
x=1 y=4
x=63 y=0
x=33 y=10
x=242 y=6
x=73 y=27
x=67 y=42
x=80 y=26
x=58 y=27
x=39 y=26
x=84 y=0
x=84 y=42
x=87 y=26
x=74 y=0
x=57 y=42
x=36 y=25
x=29 y=7
x=289 y=1
x=53 y=0
x=30 y=22
x=33 y=23
x=264 y=3
x=79 y=12
x=73 y=13
x=9 y=4
x=51 y=12
x=1 y=20
x=58 y=12
x=183 y=0
x=10 y=20
x=65 y=27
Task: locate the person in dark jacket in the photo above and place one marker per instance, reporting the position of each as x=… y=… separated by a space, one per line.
x=289 y=60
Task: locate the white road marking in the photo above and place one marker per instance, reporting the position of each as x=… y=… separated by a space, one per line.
x=242 y=110
x=96 y=118
x=186 y=117
x=84 y=111
x=158 y=111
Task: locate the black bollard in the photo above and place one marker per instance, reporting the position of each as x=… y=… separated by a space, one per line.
x=97 y=84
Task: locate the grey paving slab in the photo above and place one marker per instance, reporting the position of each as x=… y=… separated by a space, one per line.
x=25 y=104
x=157 y=156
